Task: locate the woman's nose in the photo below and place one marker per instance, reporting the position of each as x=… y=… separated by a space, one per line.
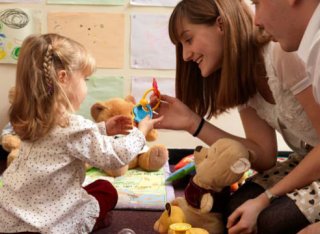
x=257 y=21
x=187 y=55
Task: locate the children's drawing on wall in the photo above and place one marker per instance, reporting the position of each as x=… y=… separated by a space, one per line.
x=151 y=47
x=139 y=85
x=21 y=1
x=154 y=2
x=15 y=25
x=101 y=88
x=87 y=2
x=101 y=33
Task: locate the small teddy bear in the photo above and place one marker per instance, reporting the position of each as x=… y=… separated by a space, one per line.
x=150 y=159
x=9 y=140
x=217 y=167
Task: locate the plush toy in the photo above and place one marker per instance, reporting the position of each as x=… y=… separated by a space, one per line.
x=150 y=159
x=9 y=140
x=174 y=215
x=217 y=167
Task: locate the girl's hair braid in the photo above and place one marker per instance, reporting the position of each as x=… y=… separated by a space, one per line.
x=47 y=64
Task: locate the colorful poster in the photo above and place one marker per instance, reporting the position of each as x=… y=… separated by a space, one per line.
x=154 y=2
x=101 y=88
x=101 y=33
x=21 y=1
x=151 y=47
x=15 y=25
x=87 y=2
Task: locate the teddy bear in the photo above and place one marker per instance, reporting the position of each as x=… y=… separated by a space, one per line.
x=9 y=140
x=217 y=167
x=149 y=159
x=174 y=215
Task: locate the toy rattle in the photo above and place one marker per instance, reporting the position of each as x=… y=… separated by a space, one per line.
x=143 y=108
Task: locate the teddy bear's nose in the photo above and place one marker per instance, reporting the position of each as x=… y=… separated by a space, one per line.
x=198 y=148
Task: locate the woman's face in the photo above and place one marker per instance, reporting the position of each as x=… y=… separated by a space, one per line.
x=203 y=45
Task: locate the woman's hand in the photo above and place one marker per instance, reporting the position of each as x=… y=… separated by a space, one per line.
x=244 y=219
x=311 y=229
x=177 y=116
x=119 y=124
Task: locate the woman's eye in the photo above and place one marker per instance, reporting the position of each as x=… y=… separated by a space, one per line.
x=189 y=40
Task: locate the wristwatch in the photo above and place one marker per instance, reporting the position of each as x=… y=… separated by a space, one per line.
x=270 y=196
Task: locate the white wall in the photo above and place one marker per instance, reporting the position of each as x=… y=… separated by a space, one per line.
x=229 y=122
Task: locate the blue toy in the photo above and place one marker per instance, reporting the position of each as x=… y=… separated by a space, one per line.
x=143 y=108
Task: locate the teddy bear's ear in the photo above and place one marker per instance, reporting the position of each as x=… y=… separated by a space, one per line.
x=200 y=153
x=240 y=166
x=130 y=98
x=96 y=109
x=168 y=208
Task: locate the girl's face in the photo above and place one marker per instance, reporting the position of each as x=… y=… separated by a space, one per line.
x=203 y=45
x=77 y=89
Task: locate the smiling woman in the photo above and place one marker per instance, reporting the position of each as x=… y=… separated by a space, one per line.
x=208 y=42
x=225 y=61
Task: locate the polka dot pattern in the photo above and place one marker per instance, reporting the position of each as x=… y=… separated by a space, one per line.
x=42 y=189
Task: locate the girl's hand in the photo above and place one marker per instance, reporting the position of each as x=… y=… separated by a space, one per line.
x=147 y=124
x=177 y=116
x=119 y=124
x=244 y=219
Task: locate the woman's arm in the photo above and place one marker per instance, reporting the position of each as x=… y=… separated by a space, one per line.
x=308 y=169
x=260 y=137
x=303 y=174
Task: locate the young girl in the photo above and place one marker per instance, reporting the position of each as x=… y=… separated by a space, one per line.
x=222 y=63
x=42 y=189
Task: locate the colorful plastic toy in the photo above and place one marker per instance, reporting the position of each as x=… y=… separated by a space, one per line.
x=143 y=108
x=184 y=161
x=182 y=172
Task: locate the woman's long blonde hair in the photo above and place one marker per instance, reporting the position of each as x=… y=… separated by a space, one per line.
x=39 y=98
x=242 y=63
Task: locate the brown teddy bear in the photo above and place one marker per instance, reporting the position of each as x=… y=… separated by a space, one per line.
x=151 y=159
x=9 y=140
x=217 y=167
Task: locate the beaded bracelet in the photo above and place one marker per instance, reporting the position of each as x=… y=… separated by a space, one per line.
x=199 y=128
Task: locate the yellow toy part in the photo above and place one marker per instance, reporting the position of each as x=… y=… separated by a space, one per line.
x=172 y=221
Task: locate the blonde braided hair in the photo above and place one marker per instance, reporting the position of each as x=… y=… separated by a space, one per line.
x=47 y=64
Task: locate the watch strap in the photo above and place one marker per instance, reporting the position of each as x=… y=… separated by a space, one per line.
x=270 y=195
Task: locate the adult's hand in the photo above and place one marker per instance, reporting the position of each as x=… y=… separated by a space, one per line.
x=176 y=115
x=244 y=219
x=311 y=229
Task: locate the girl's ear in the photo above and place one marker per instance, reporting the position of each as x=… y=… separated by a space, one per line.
x=62 y=76
x=219 y=21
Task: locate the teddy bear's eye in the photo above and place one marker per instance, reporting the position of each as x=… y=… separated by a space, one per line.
x=206 y=156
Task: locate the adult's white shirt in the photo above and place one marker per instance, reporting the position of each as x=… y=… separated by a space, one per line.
x=309 y=51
